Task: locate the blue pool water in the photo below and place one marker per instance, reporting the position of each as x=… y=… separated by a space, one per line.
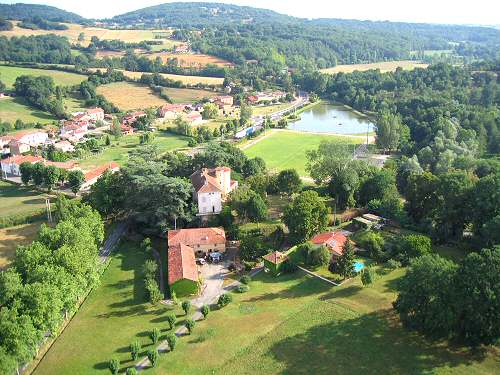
x=358 y=266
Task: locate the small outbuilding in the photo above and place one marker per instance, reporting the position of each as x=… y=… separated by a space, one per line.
x=274 y=261
x=182 y=271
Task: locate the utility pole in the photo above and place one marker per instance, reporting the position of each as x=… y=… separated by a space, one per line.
x=175 y=222
x=49 y=213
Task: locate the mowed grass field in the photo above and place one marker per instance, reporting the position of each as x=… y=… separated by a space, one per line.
x=119 y=149
x=191 y=60
x=384 y=66
x=188 y=96
x=287 y=149
x=8 y=75
x=12 y=237
x=19 y=200
x=187 y=80
x=74 y=30
x=12 y=109
x=114 y=315
x=128 y=96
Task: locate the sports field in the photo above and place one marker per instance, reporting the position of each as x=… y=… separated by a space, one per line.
x=384 y=66
x=8 y=75
x=128 y=96
x=287 y=149
x=12 y=109
x=119 y=149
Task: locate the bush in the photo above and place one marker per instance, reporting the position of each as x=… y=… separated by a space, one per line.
x=114 y=366
x=413 y=246
x=224 y=300
x=248 y=265
x=135 y=348
x=242 y=288
x=289 y=267
x=367 y=276
x=171 y=318
x=186 y=306
x=154 y=335
x=393 y=264
x=318 y=256
x=172 y=341
x=131 y=371
x=153 y=357
x=373 y=243
x=245 y=279
x=189 y=324
x=205 y=310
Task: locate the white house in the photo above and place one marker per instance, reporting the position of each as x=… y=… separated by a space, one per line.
x=64 y=146
x=211 y=189
x=95 y=114
x=172 y=111
x=30 y=137
x=18 y=148
x=11 y=165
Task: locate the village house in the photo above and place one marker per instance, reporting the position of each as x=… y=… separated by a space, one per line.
x=92 y=176
x=274 y=261
x=193 y=118
x=127 y=129
x=183 y=276
x=223 y=100
x=131 y=118
x=203 y=241
x=171 y=111
x=181 y=48
x=64 y=146
x=95 y=114
x=74 y=130
x=33 y=138
x=18 y=148
x=211 y=188
x=334 y=242
x=11 y=165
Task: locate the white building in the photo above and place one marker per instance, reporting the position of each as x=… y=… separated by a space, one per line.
x=30 y=137
x=211 y=189
x=11 y=165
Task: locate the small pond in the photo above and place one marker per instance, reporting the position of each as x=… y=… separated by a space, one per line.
x=330 y=118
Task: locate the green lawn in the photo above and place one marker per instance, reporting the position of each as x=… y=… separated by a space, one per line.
x=19 y=200
x=8 y=75
x=187 y=96
x=283 y=149
x=12 y=109
x=119 y=149
x=268 y=109
x=112 y=317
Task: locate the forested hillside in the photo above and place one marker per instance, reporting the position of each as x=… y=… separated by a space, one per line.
x=22 y=11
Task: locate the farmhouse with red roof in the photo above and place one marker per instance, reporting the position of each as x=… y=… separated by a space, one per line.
x=334 y=241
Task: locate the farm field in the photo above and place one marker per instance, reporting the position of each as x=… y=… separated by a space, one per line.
x=191 y=60
x=128 y=96
x=12 y=237
x=12 y=109
x=385 y=66
x=187 y=95
x=187 y=80
x=118 y=151
x=112 y=317
x=74 y=30
x=8 y=75
x=19 y=200
x=287 y=149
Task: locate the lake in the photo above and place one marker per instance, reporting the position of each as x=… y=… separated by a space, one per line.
x=330 y=118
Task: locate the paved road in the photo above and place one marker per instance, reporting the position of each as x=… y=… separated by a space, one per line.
x=112 y=241
x=215 y=277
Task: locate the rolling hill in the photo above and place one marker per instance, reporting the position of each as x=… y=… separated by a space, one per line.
x=22 y=11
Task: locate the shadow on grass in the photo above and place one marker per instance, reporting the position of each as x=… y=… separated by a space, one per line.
x=101 y=366
x=369 y=344
x=342 y=292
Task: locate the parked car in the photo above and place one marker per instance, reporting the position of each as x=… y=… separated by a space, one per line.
x=200 y=261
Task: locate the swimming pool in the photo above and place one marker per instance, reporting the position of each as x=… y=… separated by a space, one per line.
x=358 y=266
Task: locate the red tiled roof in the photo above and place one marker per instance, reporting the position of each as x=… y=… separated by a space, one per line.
x=64 y=164
x=204 y=181
x=196 y=236
x=95 y=110
x=181 y=264
x=173 y=108
x=90 y=175
x=21 y=134
x=333 y=240
x=276 y=257
x=19 y=159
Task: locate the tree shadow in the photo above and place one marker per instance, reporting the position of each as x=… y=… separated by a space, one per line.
x=342 y=292
x=368 y=344
x=101 y=366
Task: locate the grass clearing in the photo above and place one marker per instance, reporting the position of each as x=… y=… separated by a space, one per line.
x=12 y=237
x=8 y=75
x=268 y=109
x=19 y=200
x=287 y=149
x=12 y=109
x=129 y=96
x=119 y=150
x=187 y=95
x=113 y=315
x=384 y=66
x=191 y=60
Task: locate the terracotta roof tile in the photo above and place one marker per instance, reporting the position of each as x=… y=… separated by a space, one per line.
x=276 y=257
x=196 y=236
x=181 y=264
x=333 y=240
x=90 y=175
x=19 y=159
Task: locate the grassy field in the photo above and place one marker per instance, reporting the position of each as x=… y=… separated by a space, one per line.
x=187 y=80
x=286 y=149
x=74 y=30
x=19 y=200
x=118 y=151
x=385 y=66
x=12 y=109
x=12 y=237
x=112 y=317
x=268 y=109
x=8 y=75
x=191 y=60
x=128 y=96
x=187 y=95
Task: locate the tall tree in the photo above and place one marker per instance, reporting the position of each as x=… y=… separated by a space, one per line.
x=388 y=130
